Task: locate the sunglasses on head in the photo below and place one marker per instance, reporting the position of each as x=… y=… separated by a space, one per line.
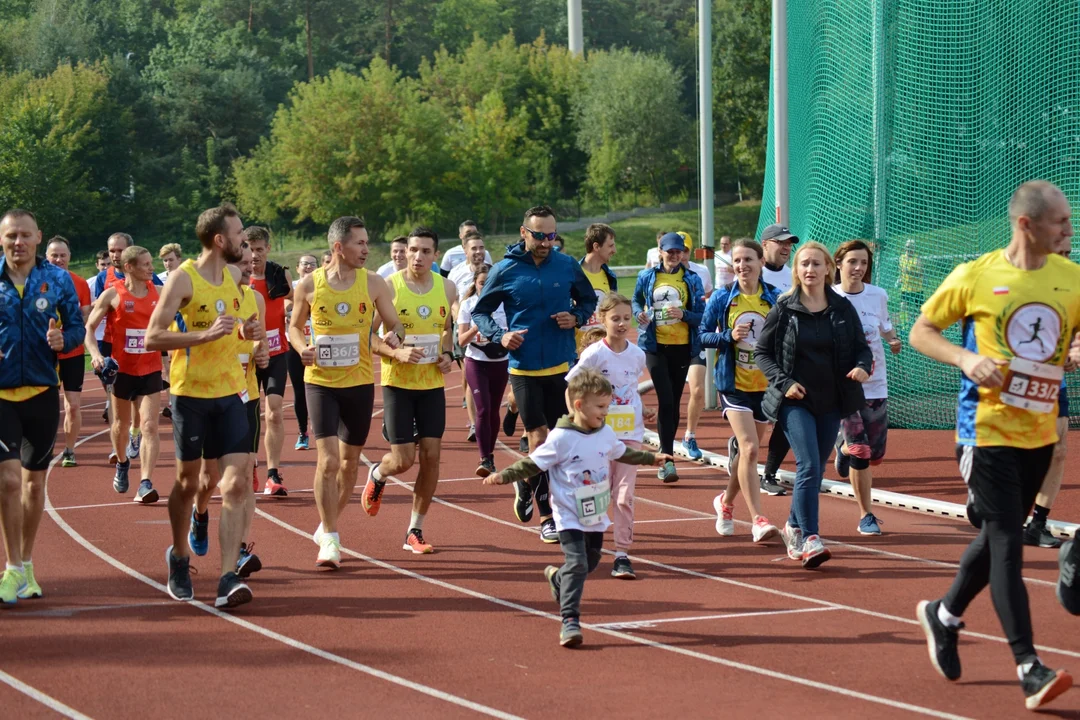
x=541 y=236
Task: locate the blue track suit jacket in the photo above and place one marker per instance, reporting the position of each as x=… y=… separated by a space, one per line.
x=716 y=317
x=643 y=293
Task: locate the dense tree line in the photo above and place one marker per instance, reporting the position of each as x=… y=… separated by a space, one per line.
x=136 y=114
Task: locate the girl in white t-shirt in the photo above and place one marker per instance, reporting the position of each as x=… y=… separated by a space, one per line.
x=622 y=363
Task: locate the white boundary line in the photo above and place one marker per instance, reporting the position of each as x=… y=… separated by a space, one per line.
x=269 y=634
x=646 y=624
x=46 y=700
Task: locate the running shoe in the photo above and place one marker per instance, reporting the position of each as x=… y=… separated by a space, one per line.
x=31 y=589
x=179 y=576
x=523 y=445
x=301 y=442
x=509 y=423
x=146 y=494
x=733 y=456
x=471 y=437
x=940 y=639
x=1068 y=587
x=570 y=635
x=1041 y=685
x=623 y=569
x=690 y=447
x=769 y=486
x=11 y=584
x=793 y=540
x=869 y=525
x=763 y=530
x=486 y=466
x=814 y=552
x=329 y=552
x=248 y=562
x=548 y=532
x=667 y=473
x=725 y=522
x=198 y=538
x=371 y=498
x=842 y=461
x=550 y=572
x=120 y=479
x=134 y=444
x=414 y=543
x=1036 y=535
x=231 y=591
x=113 y=457
x=275 y=485
x=166 y=412
x=105 y=413
x=523 y=501
x=68 y=458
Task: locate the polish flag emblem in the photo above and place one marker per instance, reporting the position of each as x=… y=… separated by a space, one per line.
x=1002 y=290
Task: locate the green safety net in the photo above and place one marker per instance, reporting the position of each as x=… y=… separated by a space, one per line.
x=910 y=123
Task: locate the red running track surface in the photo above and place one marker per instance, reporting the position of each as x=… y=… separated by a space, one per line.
x=713 y=626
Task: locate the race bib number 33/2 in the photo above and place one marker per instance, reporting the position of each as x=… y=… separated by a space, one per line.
x=337 y=350
x=1032 y=386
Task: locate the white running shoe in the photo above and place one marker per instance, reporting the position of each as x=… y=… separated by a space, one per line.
x=814 y=552
x=317 y=536
x=793 y=540
x=764 y=530
x=725 y=525
x=329 y=552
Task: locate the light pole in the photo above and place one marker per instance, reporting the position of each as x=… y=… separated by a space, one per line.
x=705 y=165
x=576 y=39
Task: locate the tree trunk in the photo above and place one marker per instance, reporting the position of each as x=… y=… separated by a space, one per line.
x=310 y=57
x=251 y=14
x=389 y=29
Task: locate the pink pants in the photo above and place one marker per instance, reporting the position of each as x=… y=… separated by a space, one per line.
x=623 y=479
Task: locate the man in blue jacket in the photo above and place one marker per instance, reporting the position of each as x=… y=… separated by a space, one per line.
x=545 y=296
x=32 y=294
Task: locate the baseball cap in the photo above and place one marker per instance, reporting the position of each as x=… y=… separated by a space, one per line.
x=686 y=239
x=778 y=232
x=672 y=241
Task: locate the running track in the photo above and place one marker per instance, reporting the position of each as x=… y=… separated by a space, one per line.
x=713 y=626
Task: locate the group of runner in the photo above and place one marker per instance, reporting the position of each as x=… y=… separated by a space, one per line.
x=800 y=349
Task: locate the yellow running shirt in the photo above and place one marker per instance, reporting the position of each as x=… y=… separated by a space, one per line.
x=341 y=332
x=1025 y=317
x=21 y=393
x=209 y=370
x=670 y=291
x=424 y=318
x=748 y=309
x=248 y=307
x=599 y=281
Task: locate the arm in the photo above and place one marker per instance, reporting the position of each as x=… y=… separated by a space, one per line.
x=493 y=295
x=927 y=338
x=692 y=315
x=466 y=330
x=385 y=312
x=641 y=457
x=176 y=294
x=70 y=315
x=638 y=301
x=301 y=311
x=446 y=344
x=260 y=351
x=106 y=301
x=765 y=352
x=864 y=357
x=583 y=295
x=710 y=321
x=521 y=470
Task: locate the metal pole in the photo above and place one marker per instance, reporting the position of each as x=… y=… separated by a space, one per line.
x=705 y=164
x=780 y=109
x=577 y=39
x=879 y=120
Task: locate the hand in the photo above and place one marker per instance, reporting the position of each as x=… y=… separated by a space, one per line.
x=391 y=339
x=983 y=371
x=896 y=345
x=223 y=325
x=565 y=320
x=97 y=362
x=662 y=458
x=644 y=318
x=262 y=356
x=494 y=479
x=308 y=355
x=55 y=336
x=253 y=329
x=675 y=313
x=858 y=375
x=1073 y=358
x=795 y=392
x=407 y=354
x=445 y=363
x=649 y=413
x=512 y=340
x=741 y=331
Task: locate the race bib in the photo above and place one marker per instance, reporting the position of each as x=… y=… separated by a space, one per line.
x=244 y=397
x=1032 y=386
x=592 y=502
x=745 y=359
x=244 y=358
x=273 y=340
x=622 y=419
x=337 y=350
x=665 y=299
x=135 y=341
x=307 y=331
x=428 y=343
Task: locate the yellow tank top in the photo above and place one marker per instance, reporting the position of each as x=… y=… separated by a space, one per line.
x=424 y=318
x=341 y=332
x=752 y=310
x=248 y=307
x=670 y=291
x=209 y=370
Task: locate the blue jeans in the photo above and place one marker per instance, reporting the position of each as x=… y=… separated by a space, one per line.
x=812 y=438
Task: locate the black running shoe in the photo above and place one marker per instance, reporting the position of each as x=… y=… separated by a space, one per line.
x=1036 y=535
x=769 y=486
x=1041 y=685
x=551 y=572
x=623 y=569
x=523 y=445
x=179 y=576
x=486 y=466
x=471 y=437
x=1068 y=587
x=166 y=412
x=548 y=532
x=510 y=423
x=842 y=461
x=248 y=562
x=231 y=592
x=940 y=639
x=523 y=501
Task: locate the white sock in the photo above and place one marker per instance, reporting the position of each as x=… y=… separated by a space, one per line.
x=334 y=535
x=319 y=530
x=16 y=567
x=689 y=436
x=375 y=474
x=416 y=521
x=946 y=617
x=620 y=553
x=1022 y=670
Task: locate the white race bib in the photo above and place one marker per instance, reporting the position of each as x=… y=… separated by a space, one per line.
x=337 y=350
x=244 y=358
x=622 y=419
x=428 y=343
x=273 y=340
x=665 y=299
x=135 y=341
x=1032 y=386
x=592 y=502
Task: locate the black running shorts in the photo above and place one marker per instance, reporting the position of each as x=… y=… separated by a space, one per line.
x=739 y=401
x=403 y=408
x=209 y=428
x=541 y=400
x=344 y=412
x=272 y=377
x=72 y=372
x=130 y=387
x=28 y=429
x=1002 y=481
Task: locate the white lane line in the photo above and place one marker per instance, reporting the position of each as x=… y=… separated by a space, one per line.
x=46 y=700
x=798 y=680
x=644 y=624
x=269 y=634
x=667 y=520
x=259 y=497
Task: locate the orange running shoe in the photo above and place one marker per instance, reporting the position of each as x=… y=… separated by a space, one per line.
x=275 y=486
x=371 y=498
x=414 y=542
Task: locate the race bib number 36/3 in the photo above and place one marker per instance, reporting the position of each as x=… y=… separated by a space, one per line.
x=592 y=502
x=337 y=350
x=428 y=343
x=1032 y=386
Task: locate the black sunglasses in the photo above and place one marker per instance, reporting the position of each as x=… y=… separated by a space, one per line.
x=540 y=236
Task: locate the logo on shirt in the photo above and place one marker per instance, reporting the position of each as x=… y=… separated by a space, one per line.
x=129 y=306
x=220 y=306
x=363 y=308
x=343 y=308
x=424 y=312
x=1033 y=332
x=42 y=304
x=236 y=304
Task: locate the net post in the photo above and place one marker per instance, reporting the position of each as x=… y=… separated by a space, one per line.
x=780 y=113
x=705 y=128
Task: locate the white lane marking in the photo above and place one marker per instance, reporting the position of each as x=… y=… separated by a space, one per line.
x=644 y=624
x=46 y=700
x=269 y=634
x=259 y=497
x=667 y=520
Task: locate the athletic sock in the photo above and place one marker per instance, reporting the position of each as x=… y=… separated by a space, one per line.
x=272 y=472
x=135 y=432
x=1023 y=668
x=620 y=554
x=202 y=517
x=126 y=463
x=689 y=436
x=334 y=535
x=1041 y=515
x=376 y=475
x=416 y=522
x=19 y=567
x=947 y=618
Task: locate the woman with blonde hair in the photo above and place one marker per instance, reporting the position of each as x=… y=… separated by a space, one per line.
x=814 y=354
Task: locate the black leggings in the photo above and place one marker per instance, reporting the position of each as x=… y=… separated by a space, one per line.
x=296 y=376
x=668 y=367
x=778 y=450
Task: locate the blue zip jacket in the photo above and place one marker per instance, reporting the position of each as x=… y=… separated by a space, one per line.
x=716 y=317
x=27 y=358
x=643 y=293
x=530 y=294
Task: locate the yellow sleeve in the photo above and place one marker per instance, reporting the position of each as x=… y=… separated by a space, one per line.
x=949 y=303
